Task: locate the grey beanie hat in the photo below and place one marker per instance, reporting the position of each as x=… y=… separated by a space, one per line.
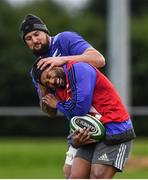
x=31 y=23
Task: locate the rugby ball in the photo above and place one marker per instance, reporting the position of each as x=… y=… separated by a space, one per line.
x=96 y=127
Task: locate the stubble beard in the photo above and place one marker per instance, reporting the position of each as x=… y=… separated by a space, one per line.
x=43 y=50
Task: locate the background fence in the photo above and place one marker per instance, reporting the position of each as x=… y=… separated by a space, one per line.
x=31 y=121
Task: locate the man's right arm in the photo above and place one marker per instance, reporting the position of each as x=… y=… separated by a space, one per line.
x=80 y=137
x=45 y=108
x=76 y=49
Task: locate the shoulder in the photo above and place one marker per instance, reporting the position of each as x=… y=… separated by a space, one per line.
x=68 y=35
x=81 y=67
x=63 y=36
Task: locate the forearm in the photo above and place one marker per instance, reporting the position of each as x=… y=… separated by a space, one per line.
x=42 y=91
x=50 y=111
x=76 y=110
x=77 y=106
x=90 y=56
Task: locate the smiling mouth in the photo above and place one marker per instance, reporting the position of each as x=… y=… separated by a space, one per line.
x=59 y=81
x=37 y=46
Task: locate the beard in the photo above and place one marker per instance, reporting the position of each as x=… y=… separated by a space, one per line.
x=43 y=50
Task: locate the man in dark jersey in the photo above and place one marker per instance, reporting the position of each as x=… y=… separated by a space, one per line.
x=80 y=89
x=56 y=51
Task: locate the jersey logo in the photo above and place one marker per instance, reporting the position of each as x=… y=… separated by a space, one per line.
x=55 y=54
x=103 y=157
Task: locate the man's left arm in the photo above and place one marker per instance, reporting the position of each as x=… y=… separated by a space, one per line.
x=82 y=79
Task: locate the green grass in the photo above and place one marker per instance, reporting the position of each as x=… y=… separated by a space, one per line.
x=43 y=158
x=32 y=158
x=140 y=147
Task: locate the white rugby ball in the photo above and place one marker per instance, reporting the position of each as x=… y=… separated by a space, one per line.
x=96 y=127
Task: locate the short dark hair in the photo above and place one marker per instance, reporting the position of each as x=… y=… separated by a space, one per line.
x=37 y=72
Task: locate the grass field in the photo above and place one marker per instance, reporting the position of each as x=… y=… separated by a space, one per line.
x=43 y=158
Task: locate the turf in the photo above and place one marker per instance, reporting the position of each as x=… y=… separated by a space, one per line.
x=43 y=158
x=32 y=158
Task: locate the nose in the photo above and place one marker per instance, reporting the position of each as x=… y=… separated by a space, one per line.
x=34 y=39
x=51 y=82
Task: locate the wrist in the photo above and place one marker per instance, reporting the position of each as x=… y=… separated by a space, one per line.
x=43 y=106
x=65 y=60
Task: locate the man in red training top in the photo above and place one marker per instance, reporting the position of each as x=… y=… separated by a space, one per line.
x=80 y=89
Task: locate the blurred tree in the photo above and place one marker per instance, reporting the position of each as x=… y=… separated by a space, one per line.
x=98 y=8
x=15 y=58
x=139 y=53
x=139 y=8
x=16 y=87
x=139 y=43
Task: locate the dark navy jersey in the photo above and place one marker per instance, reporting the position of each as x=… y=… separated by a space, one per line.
x=65 y=44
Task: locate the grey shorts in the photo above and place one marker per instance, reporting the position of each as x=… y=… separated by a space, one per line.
x=100 y=153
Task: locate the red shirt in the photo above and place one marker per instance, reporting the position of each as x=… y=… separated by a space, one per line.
x=105 y=100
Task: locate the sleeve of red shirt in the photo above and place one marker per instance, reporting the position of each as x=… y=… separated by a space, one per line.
x=82 y=78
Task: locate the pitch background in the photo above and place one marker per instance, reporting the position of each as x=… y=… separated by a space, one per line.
x=35 y=158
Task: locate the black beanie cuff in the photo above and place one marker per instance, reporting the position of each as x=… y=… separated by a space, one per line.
x=33 y=27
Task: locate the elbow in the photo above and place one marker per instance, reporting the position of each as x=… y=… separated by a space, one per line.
x=97 y=59
x=101 y=61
